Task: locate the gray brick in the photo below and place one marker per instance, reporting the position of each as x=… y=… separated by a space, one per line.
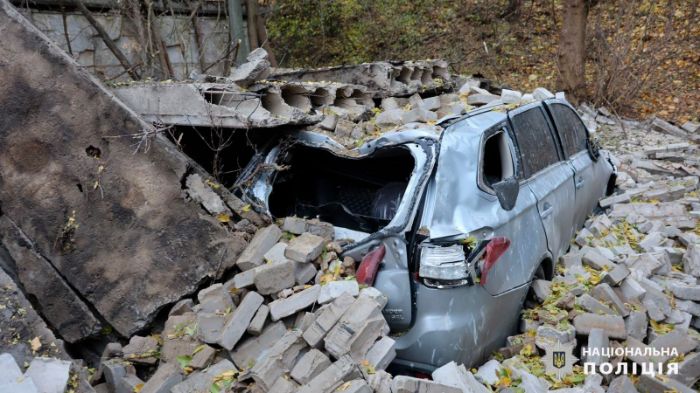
x=688 y=370
x=305 y=248
x=273 y=277
x=166 y=376
x=649 y=384
x=614 y=325
x=276 y=253
x=51 y=375
x=295 y=225
x=310 y=365
x=262 y=242
x=239 y=320
x=678 y=339
x=594 y=259
x=254 y=348
x=622 y=384
x=404 y=384
x=304 y=272
x=636 y=325
x=458 y=377
x=284 y=385
x=201 y=381
x=591 y=304
x=215 y=299
x=605 y=294
x=281 y=308
x=326 y=318
x=382 y=353
x=334 y=289
x=616 y=275
x=597 y=341
x=258 y=321
x=344 y=369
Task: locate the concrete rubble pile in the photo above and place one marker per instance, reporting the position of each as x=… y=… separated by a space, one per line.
x=294 y=319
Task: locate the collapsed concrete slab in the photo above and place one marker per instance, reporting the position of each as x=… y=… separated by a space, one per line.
x=382 y=78
x=96 y=190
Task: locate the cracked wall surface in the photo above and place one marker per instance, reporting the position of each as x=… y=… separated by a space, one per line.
x=85 y=206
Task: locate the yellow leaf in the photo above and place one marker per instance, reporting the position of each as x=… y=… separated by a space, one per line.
x=138 y=387
x=36 y=344
x=246 y=208
x=223 y=217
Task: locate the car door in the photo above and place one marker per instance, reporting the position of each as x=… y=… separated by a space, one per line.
x=573 y=136
x=549 y=178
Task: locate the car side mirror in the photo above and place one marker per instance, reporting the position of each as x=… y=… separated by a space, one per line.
x=507 y=192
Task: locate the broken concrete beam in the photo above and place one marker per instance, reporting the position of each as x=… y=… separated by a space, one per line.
x=239 y=320
x=162 y=253
x=305 y=248
x=273 y=277
x=281 y=308
x=614 y=325
x=404 y=384
x=383 y=79
x=262 y=242
x=309 y=366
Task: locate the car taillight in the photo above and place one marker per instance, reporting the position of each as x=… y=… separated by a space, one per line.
x=367 y=271
x=443 y=266
x=494 y=250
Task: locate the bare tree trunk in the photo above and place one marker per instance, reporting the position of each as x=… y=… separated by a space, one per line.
x=252 y=20
x=572 y=49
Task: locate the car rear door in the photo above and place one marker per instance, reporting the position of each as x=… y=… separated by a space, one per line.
x=573 y=136
x=549 y=178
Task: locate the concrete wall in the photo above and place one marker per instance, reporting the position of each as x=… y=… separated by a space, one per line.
x=177 y=32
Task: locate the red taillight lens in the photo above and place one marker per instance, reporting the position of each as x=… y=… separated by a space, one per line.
x=367 y=271
x=496 y=247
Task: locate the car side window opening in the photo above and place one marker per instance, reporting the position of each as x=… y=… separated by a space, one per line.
x=536 y=145
x=497 y=162
x=570 y=127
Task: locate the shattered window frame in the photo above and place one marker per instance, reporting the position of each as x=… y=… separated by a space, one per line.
x=531 y=147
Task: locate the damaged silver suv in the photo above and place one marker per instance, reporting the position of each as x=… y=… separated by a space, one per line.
x=452 y=226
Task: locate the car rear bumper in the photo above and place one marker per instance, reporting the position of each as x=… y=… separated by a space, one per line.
x=462 y=324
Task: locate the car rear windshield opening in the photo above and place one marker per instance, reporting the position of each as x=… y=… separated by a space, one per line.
x=355 y=193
